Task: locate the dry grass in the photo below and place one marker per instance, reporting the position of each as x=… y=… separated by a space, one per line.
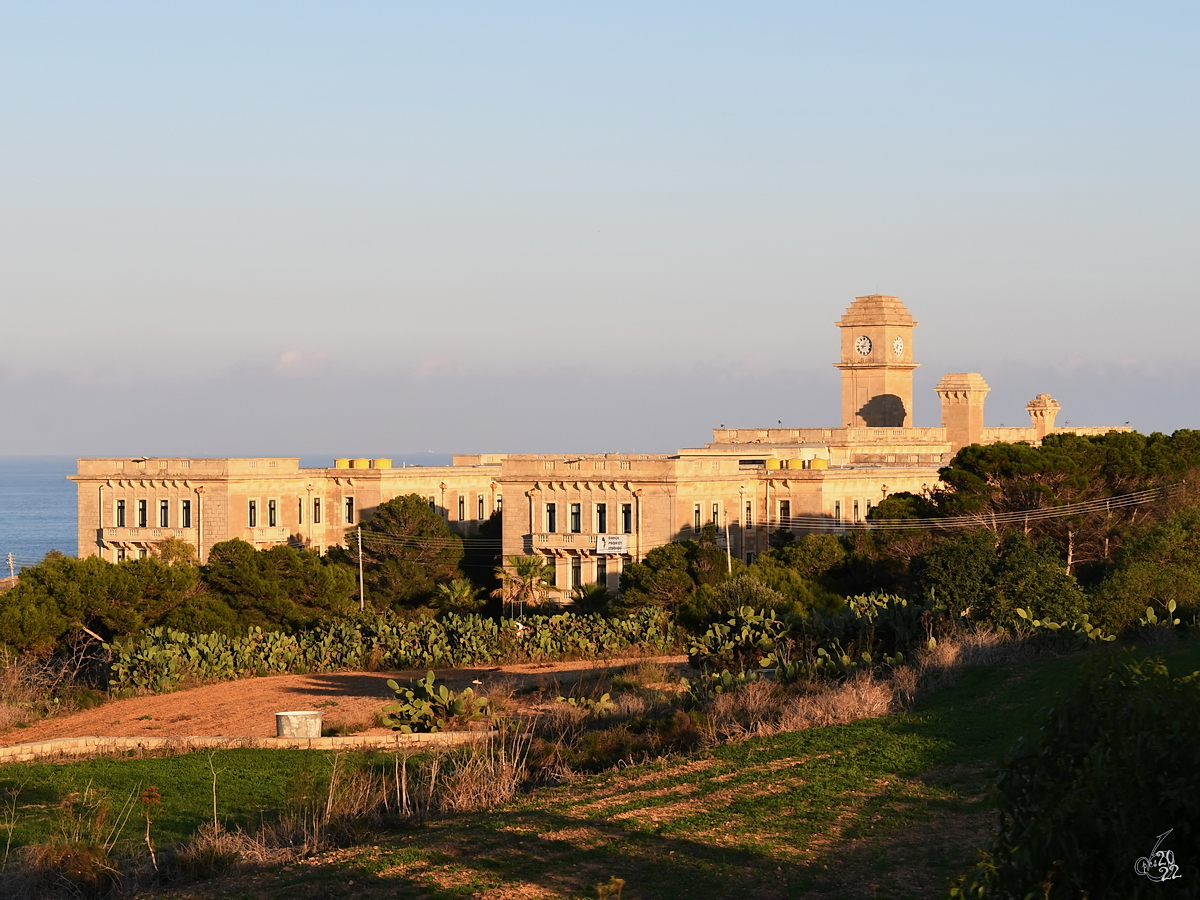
x=501 y=695
x=214 y=850
x=941 y=666
x=59 y=869
x=764 y=708
x=555 y=720
x=32 y=687
x=26 y=685
x=752 y=709
x=863 y=696
x=487 y=775
x=649 y=674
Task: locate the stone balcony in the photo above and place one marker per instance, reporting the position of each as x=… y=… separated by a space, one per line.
x=570 y=541
x=146 y=535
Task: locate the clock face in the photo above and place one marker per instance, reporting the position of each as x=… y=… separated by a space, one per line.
x=863 y=346
x=898 y=346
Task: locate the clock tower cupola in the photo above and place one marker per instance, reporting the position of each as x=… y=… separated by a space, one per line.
x=877 y=363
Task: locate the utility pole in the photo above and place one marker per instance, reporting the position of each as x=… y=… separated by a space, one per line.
x=362 y=597
x=12 y=571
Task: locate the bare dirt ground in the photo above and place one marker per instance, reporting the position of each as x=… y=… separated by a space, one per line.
x=349 y=700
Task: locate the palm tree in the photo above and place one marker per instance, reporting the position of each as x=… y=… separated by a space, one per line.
x=591 y=598
x=525 y=579
x=459 y=595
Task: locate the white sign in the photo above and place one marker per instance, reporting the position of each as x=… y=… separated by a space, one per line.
x=612 y=543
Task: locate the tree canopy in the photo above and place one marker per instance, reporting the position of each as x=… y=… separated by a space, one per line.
x=1001 y=478
x=408 y=549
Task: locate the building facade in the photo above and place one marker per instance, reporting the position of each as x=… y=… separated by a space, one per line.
x=127 y=506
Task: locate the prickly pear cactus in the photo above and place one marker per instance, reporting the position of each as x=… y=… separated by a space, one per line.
x=427 y=707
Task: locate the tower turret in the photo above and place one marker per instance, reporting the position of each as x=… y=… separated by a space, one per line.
x=1042 y=410
x=877 y=363
x=962 y=395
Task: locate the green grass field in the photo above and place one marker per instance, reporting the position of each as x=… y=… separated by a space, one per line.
x=250 y=784
x=891 y=807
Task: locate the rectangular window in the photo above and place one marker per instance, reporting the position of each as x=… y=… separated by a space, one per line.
x=551 y=518
x=252 y=514
x=626 y=518
x=749 y=521
x=317 y=511
x=499 y=503
x=142 y=553
x=120 y=554
x=481 y=515
x=300 y=511
x=462 y=507
x=749 y=559
x=272 y=513
x=185 y=513
x=432 y=503
x=164 y=513
x=143 y=513
x=868 y=509
x=696 y=519
x=785 y=513
x=576 y=572
x=349 y=510
x=716 y=519
x=120 y=513
x=856 y=516
x=551 y=571
x=601 y=518
x=837 y=510
x=601 y=570
x=576 y=518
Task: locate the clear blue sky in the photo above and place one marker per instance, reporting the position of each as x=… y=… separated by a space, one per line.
x=363 y=229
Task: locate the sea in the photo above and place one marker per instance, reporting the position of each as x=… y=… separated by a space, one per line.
x=37 y=509
x=37 y=503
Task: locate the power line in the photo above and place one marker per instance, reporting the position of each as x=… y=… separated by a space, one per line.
x=1011 y=517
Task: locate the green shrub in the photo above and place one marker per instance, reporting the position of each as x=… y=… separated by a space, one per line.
x=1111 y=766
x=163 y=659
x=986 y=579
x=428 y=707
x=1080 y=631
x=669 y=576
x=601 y=706
x=869 y=631
x=747 y=590
x=738 y=644
x=1161 y=565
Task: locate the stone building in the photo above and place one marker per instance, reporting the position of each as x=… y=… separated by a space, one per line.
x=126 y=506
x=592 y=514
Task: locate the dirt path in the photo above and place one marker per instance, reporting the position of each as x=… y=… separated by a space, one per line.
x=247 y=708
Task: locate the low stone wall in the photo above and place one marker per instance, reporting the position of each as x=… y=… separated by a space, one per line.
x=119 y=746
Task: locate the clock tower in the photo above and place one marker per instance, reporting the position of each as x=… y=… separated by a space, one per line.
x=877 y=363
